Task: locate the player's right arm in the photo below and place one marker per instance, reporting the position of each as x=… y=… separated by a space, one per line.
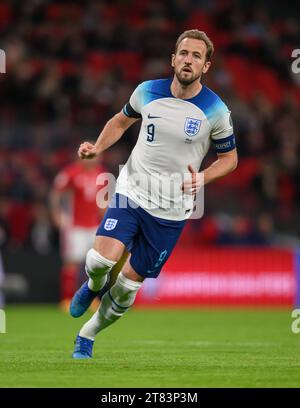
x=111 y=133
x=115 y=127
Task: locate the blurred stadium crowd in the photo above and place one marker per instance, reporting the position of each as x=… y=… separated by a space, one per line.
x=72 y=65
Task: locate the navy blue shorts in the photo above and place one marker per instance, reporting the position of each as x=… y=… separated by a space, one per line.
x=150 y=240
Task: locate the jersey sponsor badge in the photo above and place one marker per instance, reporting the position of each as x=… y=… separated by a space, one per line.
x=192 y=126
x=110 y=224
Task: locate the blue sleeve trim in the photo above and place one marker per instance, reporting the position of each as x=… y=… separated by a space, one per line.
x=130 y=112
x=225 y=145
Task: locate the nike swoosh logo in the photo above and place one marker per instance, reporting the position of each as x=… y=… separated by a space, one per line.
x=153 y=117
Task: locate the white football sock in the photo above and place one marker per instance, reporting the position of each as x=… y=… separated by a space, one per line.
x=114 y=304
x=97 y=268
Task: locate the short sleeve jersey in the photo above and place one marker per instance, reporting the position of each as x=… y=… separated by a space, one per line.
x=174 y=133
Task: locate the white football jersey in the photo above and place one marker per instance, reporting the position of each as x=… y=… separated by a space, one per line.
x=174 y=133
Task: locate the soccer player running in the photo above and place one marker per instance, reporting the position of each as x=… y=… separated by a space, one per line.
x=180 y=118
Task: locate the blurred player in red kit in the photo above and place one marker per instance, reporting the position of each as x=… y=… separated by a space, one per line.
x=76 y=214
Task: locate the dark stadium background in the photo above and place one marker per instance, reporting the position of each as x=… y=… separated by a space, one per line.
x=71 y=65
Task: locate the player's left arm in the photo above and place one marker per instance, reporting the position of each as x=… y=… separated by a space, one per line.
x=223 y=139
x=225 y=164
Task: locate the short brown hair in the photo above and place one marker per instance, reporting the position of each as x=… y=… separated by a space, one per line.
x=197 y=35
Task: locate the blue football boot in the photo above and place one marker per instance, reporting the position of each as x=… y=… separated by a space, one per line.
x=83 y=298
x=83 y=348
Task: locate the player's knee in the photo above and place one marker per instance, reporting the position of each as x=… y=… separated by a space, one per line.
x=123 y=293
x=96 y=264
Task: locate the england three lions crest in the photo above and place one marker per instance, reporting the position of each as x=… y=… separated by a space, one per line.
x=110 y=224
x=192 y=126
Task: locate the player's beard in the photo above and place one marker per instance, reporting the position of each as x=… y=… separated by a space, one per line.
x=186 y=81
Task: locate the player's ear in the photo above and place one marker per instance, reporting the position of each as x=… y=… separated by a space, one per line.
x=172 y=60
x=206 y=67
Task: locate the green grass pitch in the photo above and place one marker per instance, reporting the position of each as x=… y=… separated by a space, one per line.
x=152 y=348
